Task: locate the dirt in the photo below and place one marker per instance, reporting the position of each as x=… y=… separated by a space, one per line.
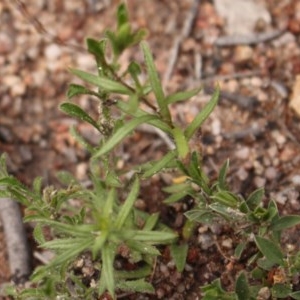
x=253 y=125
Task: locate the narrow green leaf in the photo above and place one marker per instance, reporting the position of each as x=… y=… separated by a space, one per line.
x=122 y=133
x=65 y=244
x=188 y=229
x=200 y=215
x=179 y=254
x=181 y=142
x=125 y=107
x=239 y=250
x=5 y=194
x=270 y=250
x=255 y=198
x=142 y=247
x=65 y=177
x=107 y=272
x=38 y=234
x=151 y=221
x=109 y=203
x=160 y=164
x=154 y=237
x=224 y=210
x=69 y=253
x=242 y=287
x=77 y=112
x=138 y=273
x=214 y=291
x=202 y=116
x=281 y=290
x=176 y=197
x=79 y=138
x=77 y=89
x=133 y=103
x=178 y=188
x=295 y=295
x=96 y=48
x=3 y=168
x=226 y=198
x=222 y=175
x=139 y=286
x=180 y=96
x=102 y=82
x=122 y=15
x=285 y=222
x=156 y=84
x=37 y=185
x=128 y=205
x=98 y=243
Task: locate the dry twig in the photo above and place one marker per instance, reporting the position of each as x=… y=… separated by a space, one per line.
x=16 y=242
x=185 y=32
x=234 y=40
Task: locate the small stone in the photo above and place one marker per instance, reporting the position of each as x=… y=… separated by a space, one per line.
x=259 y=181
x=81 y=171
x=203 y=228
x=205 y=241
x=25 y=153
x=140 y=204
x=180 y=288
x=259 y=169
x=85 y=61
x=232 y=86
x=284 y=39
x=241 y=16
x=53 y=52
x=273 y=151
x=189 y=45
x=271 y=173
x=287 y=154
x=256 y=81
x=6 y=135
x=227 y=243
x=6 y=43
x=243 y=54
x=243 y=153
x=242 y=174
x=264 y=294
x=216 y=127
x=296 y=180
x=278 y=137
x=280 y=198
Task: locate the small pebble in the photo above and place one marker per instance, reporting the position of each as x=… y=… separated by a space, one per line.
x=278 y=137
x=296 y=180
x=242 y=174
x=81 y=171
x=6 y=43
x=242 y=153
x=243 y=54
x=271 y=173
x=25 y=153
x=264 y=294
x=259 y=181
x=206 y=241
x=280 y=198
x=216 y=127
x=227 y=243
x=52 y=52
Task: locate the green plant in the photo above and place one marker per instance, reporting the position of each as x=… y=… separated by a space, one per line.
x=107 y=226
x=255 y=225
